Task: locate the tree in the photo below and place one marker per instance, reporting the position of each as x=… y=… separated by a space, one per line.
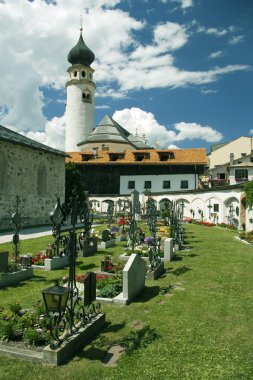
x=73 y=179
x=248 y=188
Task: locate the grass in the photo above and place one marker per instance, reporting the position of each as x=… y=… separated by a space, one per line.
x=196 y=322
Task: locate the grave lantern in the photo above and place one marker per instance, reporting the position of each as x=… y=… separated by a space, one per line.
x=56 y=298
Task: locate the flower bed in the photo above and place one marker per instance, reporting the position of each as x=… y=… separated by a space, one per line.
x=28 y=326
x=42 y=261
x=107 y=286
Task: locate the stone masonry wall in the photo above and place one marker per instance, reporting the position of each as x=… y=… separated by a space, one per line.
x=37 y=177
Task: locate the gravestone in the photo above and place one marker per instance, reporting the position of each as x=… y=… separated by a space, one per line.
x=4 y=261
x=107 y=240
x=88 y=246
x=106 y=235
x=134 y=274
x=168 y=249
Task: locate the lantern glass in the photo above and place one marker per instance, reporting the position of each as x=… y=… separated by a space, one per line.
x=56 y=298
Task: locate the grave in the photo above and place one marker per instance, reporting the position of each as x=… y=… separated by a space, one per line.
x=168 y=249
x=88 y=246
x=53 y=263
x=156 y=273
x=107 y=240
x=134 y=274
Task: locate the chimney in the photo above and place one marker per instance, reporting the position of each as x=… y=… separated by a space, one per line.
x=231 y=159
x=95 y=152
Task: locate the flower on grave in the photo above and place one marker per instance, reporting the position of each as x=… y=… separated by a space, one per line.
x=39 y=259
x=149 y=240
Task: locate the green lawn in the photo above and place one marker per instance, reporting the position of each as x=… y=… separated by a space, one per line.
x=202 y=328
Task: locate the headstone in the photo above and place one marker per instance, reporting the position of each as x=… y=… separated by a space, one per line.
x=89 y=246
x=168 y=249
x=134 y=274
x=107 y=240
x=106 y=235
x=4 y=261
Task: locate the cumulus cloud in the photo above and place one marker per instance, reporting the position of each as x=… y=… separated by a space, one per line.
x=34 y=55
x=53 y=135
x=144 y=122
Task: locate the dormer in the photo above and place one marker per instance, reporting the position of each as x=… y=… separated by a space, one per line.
x=116 y=156
x=87 y=156
x=141 y=156
x=165 y=156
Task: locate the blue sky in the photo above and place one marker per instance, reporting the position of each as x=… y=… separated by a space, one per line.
x=179 y=71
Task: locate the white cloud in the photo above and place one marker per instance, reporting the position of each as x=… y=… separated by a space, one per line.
x=236 y=40
x=183 y=3
x=54 y=134
x=216 y=31
x=205 y=92
x=194 y=131
x=157 y=134
x=103 y=107
x=216 y=54
x=34 y=54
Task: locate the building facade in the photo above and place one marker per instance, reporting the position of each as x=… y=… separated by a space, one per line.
x=32 y=171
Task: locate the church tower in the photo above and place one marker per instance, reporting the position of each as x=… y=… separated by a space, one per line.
x=80 y=96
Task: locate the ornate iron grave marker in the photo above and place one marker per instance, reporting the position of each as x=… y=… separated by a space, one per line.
x=15 y=222
x=154 y=245
x=78 y=310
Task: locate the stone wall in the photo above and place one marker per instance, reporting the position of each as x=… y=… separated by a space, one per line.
x=38 y=177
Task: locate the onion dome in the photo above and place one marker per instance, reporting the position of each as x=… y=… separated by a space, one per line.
x=81 y=54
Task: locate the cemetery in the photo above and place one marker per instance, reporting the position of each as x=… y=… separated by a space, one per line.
x=158 y=287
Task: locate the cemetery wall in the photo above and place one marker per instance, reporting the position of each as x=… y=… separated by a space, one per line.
x=37 y=177
x=216 y=205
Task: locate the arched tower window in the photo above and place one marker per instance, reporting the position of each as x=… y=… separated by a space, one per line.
x=3 y=172
x=42 y=179
x=83 y=74
x=86 y=96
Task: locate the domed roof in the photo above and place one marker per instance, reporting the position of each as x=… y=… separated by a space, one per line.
x=81 y=54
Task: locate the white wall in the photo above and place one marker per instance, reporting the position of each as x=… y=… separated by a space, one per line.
x=222 y=155
x=157 y=182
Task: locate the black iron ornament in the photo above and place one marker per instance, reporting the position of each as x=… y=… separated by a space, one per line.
x=76 y=311
x=154 y=244
x=16 y=223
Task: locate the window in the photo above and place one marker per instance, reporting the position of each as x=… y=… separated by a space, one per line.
x=116 y=156
x=241 y=173
x=86 y=96
x=140 y=156
x=166 y=184
x=83 y=74
x=75 y=73
x=216 y=207
x=147 y=185
x=184 y=185
x=165 y=156
x=221 y=175
x=131 y=184
x=90 y=76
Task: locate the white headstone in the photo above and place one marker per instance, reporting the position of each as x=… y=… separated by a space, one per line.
x=134 y=274
x=168 y=249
